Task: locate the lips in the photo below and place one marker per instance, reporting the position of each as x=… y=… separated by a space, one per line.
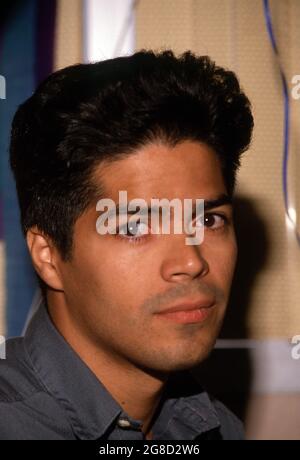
x=188 y=312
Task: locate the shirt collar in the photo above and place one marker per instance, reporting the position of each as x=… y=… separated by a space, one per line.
x=185 y=410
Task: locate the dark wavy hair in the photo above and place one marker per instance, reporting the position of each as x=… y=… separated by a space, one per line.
x=87 y=113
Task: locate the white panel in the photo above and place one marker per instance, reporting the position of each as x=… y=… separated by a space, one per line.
x=275 y=363
x=108 y=29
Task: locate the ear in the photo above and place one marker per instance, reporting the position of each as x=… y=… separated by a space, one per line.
x=44 y=258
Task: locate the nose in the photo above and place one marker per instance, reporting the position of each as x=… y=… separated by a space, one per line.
x=183 y=262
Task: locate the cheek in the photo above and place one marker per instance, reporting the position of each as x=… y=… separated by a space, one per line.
x=222 y=260
x=115 y=277
x=227 y=264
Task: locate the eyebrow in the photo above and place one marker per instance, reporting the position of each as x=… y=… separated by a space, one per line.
x=221 y=200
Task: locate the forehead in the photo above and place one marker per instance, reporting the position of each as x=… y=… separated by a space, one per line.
x=186 y=170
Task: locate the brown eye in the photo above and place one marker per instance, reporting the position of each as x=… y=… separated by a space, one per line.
x=214 y=221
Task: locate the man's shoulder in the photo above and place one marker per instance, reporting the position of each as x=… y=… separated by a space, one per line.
x=223 y=422
x=231 y=426
x=27 y=409
x=18 y=380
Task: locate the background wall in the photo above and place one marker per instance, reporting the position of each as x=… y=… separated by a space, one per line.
x=68 y=48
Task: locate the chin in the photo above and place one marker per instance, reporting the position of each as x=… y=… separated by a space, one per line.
x=191 y=361
x=183 y=360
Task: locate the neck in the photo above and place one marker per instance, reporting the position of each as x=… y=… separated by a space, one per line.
x=137 y=391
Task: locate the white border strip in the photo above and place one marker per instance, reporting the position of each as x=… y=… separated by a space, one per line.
x=275 y=363
x=108 y=29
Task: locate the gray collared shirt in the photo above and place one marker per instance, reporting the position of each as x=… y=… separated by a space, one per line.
x=47 y=392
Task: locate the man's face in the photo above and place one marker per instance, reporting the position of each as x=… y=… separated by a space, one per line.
x=116 y=287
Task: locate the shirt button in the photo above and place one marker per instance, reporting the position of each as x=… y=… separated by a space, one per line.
x=123 y=423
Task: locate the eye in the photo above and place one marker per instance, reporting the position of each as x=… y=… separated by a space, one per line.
x=215 y=221
x=134 y=229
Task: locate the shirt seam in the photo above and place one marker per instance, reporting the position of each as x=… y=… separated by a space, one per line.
x=193 y=410
x=4 y=400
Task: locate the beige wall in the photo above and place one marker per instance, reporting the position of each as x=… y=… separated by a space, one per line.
x=68 y=36
x=274 y=416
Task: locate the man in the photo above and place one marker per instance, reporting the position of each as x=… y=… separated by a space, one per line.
x=125 y=313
